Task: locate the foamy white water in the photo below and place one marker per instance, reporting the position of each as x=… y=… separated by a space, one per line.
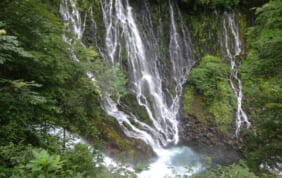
x=180 y=161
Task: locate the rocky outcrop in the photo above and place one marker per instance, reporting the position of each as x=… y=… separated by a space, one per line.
x=208 y=141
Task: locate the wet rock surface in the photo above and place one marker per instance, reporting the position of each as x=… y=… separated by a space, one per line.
x=207 y=140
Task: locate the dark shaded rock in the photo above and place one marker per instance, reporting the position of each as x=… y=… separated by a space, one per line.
x=208 y=141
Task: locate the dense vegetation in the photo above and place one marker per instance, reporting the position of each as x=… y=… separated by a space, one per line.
x=42 y=87
x=261 y=74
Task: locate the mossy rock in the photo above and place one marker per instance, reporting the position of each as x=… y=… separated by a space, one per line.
x=125 y=149
x=208 y=95
x=130 y=105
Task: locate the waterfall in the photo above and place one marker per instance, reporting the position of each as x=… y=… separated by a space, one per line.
x=121 y=28
x=181 y=56
x=156 y=92
x=233 y=51
x=145 y=79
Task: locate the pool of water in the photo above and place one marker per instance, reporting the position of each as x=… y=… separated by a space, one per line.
x=172 y=162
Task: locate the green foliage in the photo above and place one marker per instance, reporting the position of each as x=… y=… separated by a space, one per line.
x=210 y=78
x=44 y=164
x=41 y=84
x=67 y=97
x=236 y=170
x=77 y=162
x=80 y=160
x=261 y=74
x=26 y=161
x=18 y=97
x=188 y=98
x=10 y=48
x=208 y=75
x=11 y=156
x=18 y=104
x=266 y=40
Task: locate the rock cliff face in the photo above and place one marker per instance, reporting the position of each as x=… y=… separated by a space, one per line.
x=206 y=139
x=209 y=105
x=200 y=132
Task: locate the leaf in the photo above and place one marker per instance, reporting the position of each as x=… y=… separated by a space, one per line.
x=3 y=32
x=17 y=84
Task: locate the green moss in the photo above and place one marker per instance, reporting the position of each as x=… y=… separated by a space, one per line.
x=115 y=138
x=223 y=106
x=193 y=104
x=128 y=149
x=204 y=29
x=209 y=96
x=242 y=26
x=188 y=99
x=130 y=105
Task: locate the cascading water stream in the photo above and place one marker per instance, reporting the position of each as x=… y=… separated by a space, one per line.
x=231 y=29
x=72 y=19
x=181 y=56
